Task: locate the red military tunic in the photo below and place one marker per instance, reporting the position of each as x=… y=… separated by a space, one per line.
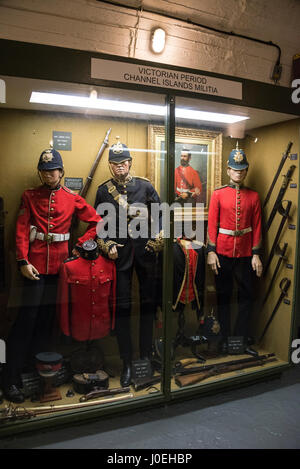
x=86 y=298
x=234 y=207
x=50 y=211
x=186 y=180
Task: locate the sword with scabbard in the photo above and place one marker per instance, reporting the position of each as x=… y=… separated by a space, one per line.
x=281 y=257
x=283 y=159
x=287 y=177
x=284 y=285
x=284 y=212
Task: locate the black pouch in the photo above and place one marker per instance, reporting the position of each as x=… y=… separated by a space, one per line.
x=86 y=382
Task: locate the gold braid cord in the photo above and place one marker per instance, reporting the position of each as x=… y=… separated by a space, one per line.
x=156 y=245
x=105 y=246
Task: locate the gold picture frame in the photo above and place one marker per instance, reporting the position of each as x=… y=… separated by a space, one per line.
x=204 y=145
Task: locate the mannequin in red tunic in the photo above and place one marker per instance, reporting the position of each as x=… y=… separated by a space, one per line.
x=42 y=234
x=234 y=240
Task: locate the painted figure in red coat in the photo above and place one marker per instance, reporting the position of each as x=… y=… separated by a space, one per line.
x=42 y=234
x=234 y=241
x=188 y=186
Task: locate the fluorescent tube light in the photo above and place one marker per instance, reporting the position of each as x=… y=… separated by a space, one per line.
x=129 y=107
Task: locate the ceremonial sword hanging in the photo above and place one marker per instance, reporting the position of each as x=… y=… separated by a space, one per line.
x=284 y=286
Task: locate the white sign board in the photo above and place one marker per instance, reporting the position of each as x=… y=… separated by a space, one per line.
x=164 y=78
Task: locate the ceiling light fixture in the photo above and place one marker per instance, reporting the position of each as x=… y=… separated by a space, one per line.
x=130 y=107
x=158 y=40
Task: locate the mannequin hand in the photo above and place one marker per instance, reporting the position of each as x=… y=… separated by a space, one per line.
x=213 y=262
x=256 y=265
x=184 y=195
x=113 y=252
x=29 y=271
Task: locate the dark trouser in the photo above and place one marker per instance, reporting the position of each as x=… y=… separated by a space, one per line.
x=240 y=270
x=32 y=331
x=145 y=270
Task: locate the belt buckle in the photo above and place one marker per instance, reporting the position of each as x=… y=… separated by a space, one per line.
x=49 y=238
x=238 y=233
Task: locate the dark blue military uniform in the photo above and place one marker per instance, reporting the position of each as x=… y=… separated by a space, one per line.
x=133 y=255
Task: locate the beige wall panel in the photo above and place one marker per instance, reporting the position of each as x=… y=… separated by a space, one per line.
x=264 y=158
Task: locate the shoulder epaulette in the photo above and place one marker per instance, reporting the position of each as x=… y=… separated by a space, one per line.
x=105 y=182
x=69 y=190
x=140 y=177
x=69 y=259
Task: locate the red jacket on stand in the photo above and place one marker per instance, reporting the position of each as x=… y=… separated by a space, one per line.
x=86 y=298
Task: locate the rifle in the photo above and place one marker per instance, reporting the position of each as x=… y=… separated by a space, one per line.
x=286 y=180
x=89 y=179
x=182 y=381
x=284 y=157
x=180 y=370
x=83 y=191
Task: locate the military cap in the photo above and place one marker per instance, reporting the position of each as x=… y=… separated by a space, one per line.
x=50 y=159
x=118 y=153
x=237 y=159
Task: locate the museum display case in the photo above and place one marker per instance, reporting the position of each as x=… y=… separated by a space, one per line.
x=122 y=309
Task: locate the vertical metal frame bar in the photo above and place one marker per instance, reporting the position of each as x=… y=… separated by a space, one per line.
x=167 y=286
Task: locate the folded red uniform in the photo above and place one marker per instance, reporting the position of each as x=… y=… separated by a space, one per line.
x=86 y=298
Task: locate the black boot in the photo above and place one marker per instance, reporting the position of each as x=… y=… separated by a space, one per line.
x=125 y=378
x=13 y=394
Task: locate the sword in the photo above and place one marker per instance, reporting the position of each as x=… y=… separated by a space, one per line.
x=284 y=157
x=284 y=286
x=284 y=212
x=282 y=257
x=286 y=180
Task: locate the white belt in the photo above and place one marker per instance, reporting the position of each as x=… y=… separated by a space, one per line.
x=52 y=237
x=182 y=190
x=235 y=232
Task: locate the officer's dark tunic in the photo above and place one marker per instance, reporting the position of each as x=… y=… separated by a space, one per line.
x=132 y=256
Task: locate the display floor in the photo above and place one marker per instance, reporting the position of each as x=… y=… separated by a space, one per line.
x=68 y=399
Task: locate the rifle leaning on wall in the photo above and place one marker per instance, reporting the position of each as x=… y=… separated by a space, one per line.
x=84 y=190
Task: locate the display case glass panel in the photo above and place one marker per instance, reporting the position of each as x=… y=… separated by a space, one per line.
x=79 y=326
x=233 y=304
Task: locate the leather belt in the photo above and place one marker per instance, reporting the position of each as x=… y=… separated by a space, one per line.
x=52 y=237
x=235 y=232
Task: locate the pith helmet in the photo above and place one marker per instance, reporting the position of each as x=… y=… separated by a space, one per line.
x=237 y=159
x=50 y=159
x=118 y=153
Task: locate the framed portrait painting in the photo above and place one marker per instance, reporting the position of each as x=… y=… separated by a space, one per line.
x=205 y=149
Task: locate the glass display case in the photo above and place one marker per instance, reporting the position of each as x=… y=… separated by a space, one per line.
x=148 y=239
